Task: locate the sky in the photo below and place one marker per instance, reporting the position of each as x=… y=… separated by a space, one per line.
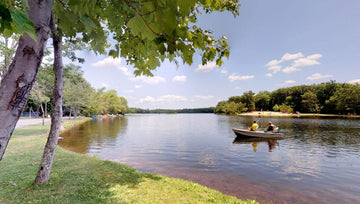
x=273 y=44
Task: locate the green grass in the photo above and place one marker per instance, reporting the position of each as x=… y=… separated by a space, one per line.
x=77 y=178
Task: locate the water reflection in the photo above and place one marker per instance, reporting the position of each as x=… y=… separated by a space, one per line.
x=254 y=142
x=93 y=135
x=318 y=157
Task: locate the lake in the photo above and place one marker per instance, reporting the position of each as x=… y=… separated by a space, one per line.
x=318 y=161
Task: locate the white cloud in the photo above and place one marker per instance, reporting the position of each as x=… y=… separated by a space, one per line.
x=269 y=75
x=275 y=68
x=290 y=70
x=124 y=70
x=112 y=63
x=179 y=78
x=238 y=87
x=162 y=99
x=355 y=81
x=290 y=82
x=148 y=80
x=138 y=86
x=298 y=61
x=273 y=63
x=235 y=77
x=287 y=56
x=224 y=71
x=318 y=76
x=307 y=61
x=206 y=68
x=204 y=97
x=147 y=99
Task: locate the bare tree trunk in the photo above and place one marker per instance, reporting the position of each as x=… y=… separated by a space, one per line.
x=42 y=109
x=43 y=174
x=37 y=90
x=17 y=83
x=30 y=112
x=46 y=114
x=37 y=112
x=70 y=112
x=76 y=112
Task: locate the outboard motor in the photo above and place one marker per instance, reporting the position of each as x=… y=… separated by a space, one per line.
x=276 y=130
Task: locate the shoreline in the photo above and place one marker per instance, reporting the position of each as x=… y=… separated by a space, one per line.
x=294 y=115
x=79 y=173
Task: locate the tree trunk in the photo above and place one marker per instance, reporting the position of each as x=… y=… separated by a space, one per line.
x=43 y=174
x=70 y=112
x=30 y=112
x=43 y=114
x=46 y=114
x=75 y=112
x=17 y=83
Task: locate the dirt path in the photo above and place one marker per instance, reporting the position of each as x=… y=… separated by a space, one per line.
x=25 y=122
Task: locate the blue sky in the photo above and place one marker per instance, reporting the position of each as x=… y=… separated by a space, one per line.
x=274 y=44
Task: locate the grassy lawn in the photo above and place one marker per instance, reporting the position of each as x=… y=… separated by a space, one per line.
x=77 y=178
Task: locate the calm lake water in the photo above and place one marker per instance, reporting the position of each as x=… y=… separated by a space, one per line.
x=317 y=162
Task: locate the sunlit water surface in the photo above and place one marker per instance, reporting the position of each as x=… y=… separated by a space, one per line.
x=317 y=162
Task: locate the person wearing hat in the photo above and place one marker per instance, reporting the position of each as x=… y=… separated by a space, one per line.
x=271 y=127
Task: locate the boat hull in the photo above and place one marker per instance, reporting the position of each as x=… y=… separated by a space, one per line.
x=257 y=134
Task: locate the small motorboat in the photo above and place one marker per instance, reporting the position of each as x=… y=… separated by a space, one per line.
x=258 y=134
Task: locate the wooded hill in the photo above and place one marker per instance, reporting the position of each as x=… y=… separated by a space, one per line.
x=327 y=98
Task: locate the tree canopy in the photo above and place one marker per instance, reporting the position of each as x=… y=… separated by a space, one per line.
x=329 y=97
x=145 y=33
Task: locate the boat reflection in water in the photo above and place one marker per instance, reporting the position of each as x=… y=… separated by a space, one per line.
x=254 y=142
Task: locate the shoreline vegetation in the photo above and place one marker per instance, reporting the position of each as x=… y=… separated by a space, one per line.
x=296 y=115
x=78 y=178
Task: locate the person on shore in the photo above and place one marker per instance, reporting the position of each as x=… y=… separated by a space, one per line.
x=270 y=127
x=254 y=126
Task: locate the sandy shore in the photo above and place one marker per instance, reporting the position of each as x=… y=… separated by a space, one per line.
x=302 y=115
x=268 y=114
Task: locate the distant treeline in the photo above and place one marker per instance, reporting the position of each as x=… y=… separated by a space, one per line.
x=327 y=98
x=193 y=110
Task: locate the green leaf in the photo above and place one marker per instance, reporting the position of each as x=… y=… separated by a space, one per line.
x=153 y=62
x=138 y=27
x=23 y=24
x=114 y=53
x=88 y=23
x=5 y=18
x=219 y=62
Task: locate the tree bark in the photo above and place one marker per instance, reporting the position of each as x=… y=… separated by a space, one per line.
x=43 y=174
x=46 y=114
x=43 y=114
x=18 y=81
x=30 y=112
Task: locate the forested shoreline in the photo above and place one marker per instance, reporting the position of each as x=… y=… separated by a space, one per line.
x=79 y=97
x=185 y=110
x=325 y=98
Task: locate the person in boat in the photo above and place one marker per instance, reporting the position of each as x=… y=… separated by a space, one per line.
x=254 y=126
x=271 y=127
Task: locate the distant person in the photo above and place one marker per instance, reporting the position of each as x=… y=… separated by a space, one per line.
x=254 y=126
x=270 y=127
